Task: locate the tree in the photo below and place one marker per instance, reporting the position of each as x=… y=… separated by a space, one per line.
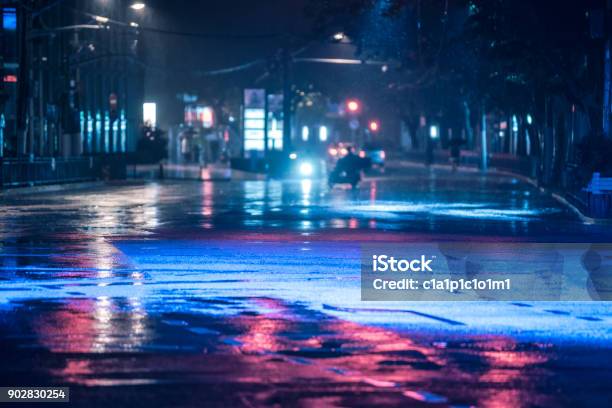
x=522 y=57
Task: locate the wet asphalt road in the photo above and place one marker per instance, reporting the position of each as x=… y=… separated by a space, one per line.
x=247 y=294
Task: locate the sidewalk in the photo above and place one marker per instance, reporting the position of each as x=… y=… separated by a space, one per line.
x=54 y=188
x=471 y=168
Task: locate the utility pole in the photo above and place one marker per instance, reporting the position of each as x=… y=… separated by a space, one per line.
x=287 y=100
x=23 y=88
x=607 y=89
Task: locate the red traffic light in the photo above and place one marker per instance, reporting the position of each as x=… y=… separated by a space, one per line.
x=353 y=105
x=374 y=126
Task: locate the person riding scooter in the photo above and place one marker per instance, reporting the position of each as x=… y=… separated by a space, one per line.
x=347 y=170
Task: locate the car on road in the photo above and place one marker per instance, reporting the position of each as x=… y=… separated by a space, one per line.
x=306 y=165
x=375 y=154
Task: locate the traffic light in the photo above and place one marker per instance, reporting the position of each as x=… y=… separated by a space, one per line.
x=353 y=105
x=374 y=126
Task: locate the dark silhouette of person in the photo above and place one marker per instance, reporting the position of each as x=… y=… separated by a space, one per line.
x=347 y=170
x=455 y=151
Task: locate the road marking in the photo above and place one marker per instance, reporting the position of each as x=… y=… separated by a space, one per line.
x=413 y=312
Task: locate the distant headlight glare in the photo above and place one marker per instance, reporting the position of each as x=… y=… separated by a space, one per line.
x=306 y=169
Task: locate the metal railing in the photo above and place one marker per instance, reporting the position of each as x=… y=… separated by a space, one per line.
x=22 y=172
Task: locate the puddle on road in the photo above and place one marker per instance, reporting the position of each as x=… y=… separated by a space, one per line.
x=273 y=351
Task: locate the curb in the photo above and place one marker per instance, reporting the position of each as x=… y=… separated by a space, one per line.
x=584 y=218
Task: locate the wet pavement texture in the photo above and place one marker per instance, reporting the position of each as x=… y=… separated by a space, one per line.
x=246 y=293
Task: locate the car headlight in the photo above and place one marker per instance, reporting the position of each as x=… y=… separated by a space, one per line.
x=306 y=169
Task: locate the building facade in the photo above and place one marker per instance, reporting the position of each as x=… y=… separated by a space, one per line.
x=72 y=78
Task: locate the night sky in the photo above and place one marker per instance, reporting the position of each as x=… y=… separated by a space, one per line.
x=175 y=60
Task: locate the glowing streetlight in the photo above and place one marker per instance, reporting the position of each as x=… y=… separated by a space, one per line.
x=101 y=19
x=339 y=36
x=138 y=5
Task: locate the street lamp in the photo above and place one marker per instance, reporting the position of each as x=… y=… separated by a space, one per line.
x=339 y=36
x=101 y=19
x=138 y=5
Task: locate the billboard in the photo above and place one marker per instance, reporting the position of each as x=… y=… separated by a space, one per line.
x=254 y=120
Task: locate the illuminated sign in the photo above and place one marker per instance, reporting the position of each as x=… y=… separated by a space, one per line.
x=275 y=122
x=149 y=114
x=254 y=133
x=200 y=115
x=10 y=78
x=255 y=98
x=206 y=116
x=254 y=114
x=254 y=120
x=9 y=19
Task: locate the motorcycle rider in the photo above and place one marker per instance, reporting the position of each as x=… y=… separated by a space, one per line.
x=347 y=170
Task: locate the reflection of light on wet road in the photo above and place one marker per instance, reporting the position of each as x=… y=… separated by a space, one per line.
x=490 y=214
x=104 y=259
x=508 y=365
x=306 y=187
x=207 y=199
x=102 y=324
x=217 y=282
x=459 y=210
x=262 y=332
x=373 y=191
